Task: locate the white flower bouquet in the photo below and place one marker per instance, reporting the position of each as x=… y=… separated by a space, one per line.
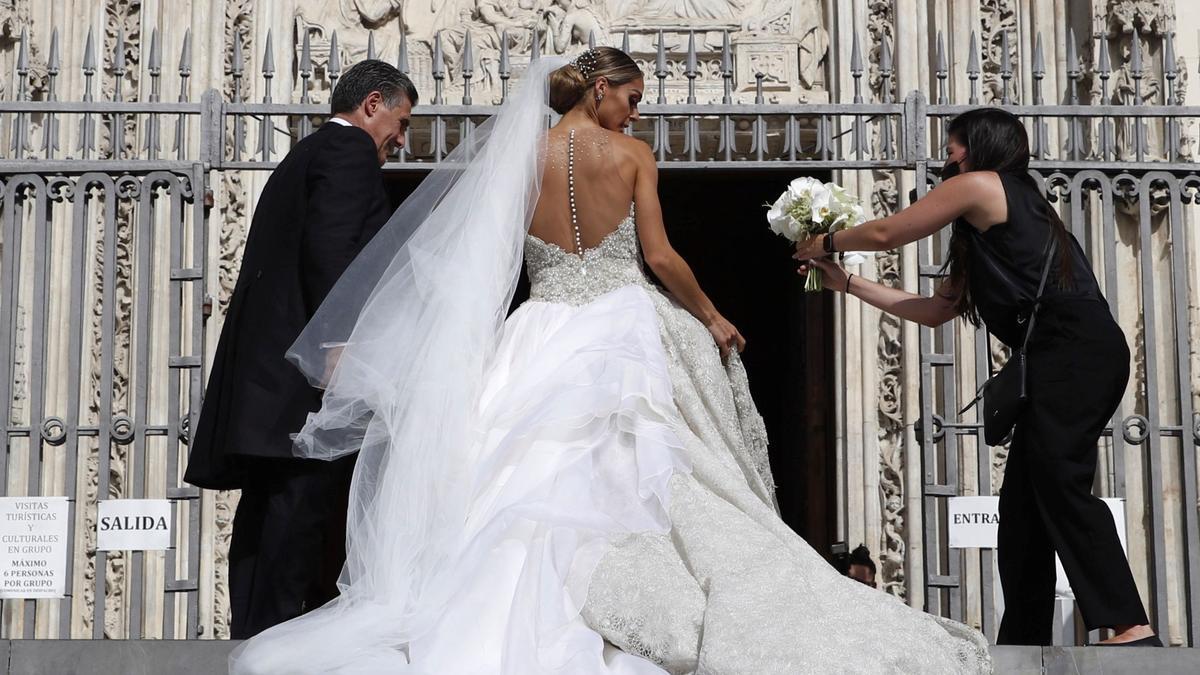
x=808 y=208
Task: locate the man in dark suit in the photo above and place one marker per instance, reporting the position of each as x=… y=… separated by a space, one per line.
x=320 y=207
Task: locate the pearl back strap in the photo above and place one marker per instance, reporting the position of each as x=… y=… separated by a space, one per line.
x=571 y=191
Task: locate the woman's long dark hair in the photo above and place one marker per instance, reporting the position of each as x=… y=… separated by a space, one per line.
x=996 y=140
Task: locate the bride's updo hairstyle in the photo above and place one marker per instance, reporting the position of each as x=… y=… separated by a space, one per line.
x=569 y=83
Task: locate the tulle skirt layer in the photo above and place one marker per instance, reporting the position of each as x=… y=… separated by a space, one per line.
x=732 y=590
x=577 y=443
x=620 y=521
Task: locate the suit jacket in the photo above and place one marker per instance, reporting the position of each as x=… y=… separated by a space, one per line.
x=319 y=208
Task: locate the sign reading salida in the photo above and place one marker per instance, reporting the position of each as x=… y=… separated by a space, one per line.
x=133 y=525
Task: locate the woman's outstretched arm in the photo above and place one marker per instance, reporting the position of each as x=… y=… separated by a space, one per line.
x=977 y=195
x=930 y=312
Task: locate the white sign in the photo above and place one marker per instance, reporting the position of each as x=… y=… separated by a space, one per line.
x=133 y=525
x=33 y=547
x=973 y=521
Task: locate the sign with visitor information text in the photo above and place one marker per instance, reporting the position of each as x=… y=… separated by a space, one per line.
x=133 y=525
x=33 y=547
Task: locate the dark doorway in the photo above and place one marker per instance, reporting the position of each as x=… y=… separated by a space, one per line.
x=716 y=220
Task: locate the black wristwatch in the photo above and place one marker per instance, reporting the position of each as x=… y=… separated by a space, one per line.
x=827 y=243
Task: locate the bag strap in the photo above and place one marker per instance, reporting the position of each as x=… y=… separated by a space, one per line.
x=1051 y=245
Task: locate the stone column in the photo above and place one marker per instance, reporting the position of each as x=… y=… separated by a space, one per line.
x=911 y=43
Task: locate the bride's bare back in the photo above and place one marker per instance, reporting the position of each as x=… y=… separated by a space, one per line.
x=605 y=172
x=611 y=172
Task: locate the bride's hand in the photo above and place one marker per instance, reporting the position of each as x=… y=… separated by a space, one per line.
x=726 y=336
x=834 y=274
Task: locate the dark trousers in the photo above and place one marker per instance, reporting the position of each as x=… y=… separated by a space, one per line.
x=1077 y=374
x=289 y=540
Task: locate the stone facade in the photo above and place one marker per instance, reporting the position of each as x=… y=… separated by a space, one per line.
x=803 y=51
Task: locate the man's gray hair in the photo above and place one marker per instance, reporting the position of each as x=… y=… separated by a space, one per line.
x=367 y=76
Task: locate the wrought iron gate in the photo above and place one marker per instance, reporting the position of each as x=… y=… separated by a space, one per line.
x=100 y=410
x=1128 y=208
x=107 y=282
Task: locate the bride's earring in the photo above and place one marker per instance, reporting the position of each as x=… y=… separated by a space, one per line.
x=599 y=97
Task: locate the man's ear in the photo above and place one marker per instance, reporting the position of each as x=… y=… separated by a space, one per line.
x=372 y=103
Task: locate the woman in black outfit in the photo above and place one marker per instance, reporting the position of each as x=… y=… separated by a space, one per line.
x=1078 y=366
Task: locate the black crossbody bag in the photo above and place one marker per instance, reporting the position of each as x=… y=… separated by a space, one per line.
x=1006 y=393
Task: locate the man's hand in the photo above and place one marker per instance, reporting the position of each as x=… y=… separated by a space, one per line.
x=332 y=354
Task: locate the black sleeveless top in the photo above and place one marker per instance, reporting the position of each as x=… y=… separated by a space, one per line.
x=1005 y=263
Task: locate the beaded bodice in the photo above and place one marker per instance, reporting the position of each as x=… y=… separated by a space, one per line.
x=558 y=275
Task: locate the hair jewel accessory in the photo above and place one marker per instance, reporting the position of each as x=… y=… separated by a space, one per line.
x=585 y=62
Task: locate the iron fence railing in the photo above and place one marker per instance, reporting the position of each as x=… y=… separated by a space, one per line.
x=106 y=242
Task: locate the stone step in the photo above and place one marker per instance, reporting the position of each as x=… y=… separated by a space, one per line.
x=1084 y=660
x=209 y=657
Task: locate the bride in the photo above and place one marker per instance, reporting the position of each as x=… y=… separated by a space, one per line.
x=582 y=487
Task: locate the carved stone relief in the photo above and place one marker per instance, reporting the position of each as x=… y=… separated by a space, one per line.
x=785 y=40
x=235 y=222
x=121 y=18
x=1113 y=26
x=881 y=27
x=881 y=24
x=997 y=18
x=14 y=16
x=891 y=437
x=1188 y=135
x=18 y=402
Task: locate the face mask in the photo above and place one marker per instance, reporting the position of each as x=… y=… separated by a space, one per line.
x=949 y=170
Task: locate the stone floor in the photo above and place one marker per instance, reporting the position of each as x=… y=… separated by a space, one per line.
x=1098 y=660
x=196 y=657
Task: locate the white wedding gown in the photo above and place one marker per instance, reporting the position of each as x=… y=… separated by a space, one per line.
x=655 y=466
x=727 y=587
x=621 y=514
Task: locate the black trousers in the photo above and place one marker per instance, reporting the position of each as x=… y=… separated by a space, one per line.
x=289 y=540
x=1078 y=369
